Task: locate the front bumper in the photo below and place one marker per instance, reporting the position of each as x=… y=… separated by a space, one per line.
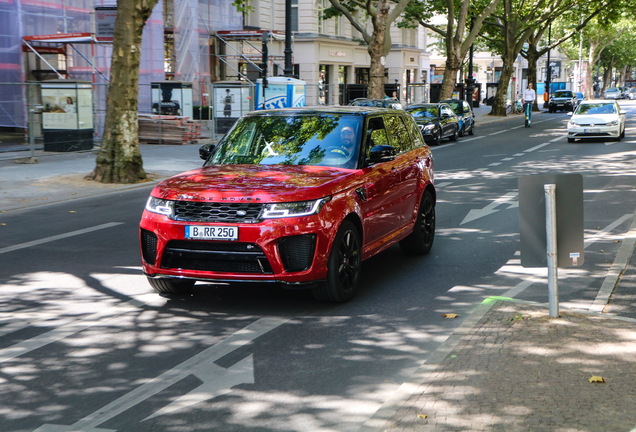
x=292 y=251
x=594 y=132
x=561 y=105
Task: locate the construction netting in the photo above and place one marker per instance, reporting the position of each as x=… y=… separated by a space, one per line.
x=193 y=22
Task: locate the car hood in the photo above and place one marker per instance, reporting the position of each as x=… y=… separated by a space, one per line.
x=598 y=119
x=257 y=183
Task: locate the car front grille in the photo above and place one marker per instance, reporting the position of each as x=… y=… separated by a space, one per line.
x=215 y=257
x=297 y=252
x=194 y=211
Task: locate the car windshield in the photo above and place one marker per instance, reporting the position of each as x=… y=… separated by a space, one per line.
x=456 y=106
x=612 y=90
x=301 y=139
x=368 y=103
x=563 y=94
x=424 y=112
x=597 y=108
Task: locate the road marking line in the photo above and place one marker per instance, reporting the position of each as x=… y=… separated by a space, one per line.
x=195 y=365
x=494 y=164
x=501 y=131
x=536 y=147
x=506 y=159
x=471 y=139
x=443 y=184
x=616 y=269
x=557 y=139
x=518 y=154
x=63 y=331
x=58 y=237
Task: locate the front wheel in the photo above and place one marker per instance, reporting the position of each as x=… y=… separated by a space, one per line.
x=472 y=129
x=170 y=285
x=420 y=241
x=571 y=140
x=343 y=267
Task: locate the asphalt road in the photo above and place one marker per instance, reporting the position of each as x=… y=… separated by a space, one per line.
x=86 y=345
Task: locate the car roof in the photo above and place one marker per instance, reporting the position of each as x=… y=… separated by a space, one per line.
x=356 y=110
x=427 y=105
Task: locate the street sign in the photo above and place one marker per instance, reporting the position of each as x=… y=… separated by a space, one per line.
x=569 y=219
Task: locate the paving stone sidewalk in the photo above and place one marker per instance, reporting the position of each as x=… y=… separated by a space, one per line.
x=519 y=369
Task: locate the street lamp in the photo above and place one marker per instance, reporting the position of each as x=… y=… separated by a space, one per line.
x=470 y=81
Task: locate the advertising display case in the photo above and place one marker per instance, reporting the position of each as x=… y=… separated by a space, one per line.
x=281 y=92
x=172 y=98
x=67 y=115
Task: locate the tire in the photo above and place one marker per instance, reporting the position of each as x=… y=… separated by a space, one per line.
x=462 y=131
x=571 y=140
x=171 y=285
x=455 y=135
x=343 y=267
x=437 y=139
x=420 y=241
x=472 y=129
x=508 y=110
x=623 y=134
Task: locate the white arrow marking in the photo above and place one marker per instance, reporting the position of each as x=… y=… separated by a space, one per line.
x=241 y=373
x=489 y=209
x=198 y=365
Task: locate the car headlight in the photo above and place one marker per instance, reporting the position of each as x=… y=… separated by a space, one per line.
x=612 y=123
x=428 y=128
x=294 y=209
x=160 y=206
x=574 y=124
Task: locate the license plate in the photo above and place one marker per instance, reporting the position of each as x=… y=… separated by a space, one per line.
x=591 y=130
x=211 y=232
x=559 y=104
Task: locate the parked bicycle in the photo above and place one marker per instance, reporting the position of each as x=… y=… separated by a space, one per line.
x=516 y=108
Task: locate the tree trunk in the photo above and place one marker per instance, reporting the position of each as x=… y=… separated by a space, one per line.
x=533 y=57
x=453 y=64
x=589 y=75
x=378 y=49
x=119 y=159
x=499 y=104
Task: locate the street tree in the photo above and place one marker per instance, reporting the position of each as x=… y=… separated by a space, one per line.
x=382 y=14
x=508 y=30
x=462 y=26
x=119 y=159
x=537 y=46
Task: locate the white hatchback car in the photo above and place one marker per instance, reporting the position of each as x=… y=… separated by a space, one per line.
x=597 y=119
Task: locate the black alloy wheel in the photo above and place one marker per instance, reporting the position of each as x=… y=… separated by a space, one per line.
x=472 y=129
x=437 y=138
x=343 y=268
x=420 y=241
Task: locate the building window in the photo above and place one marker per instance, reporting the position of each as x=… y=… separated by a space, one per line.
x=322 y=23
x=294 y=15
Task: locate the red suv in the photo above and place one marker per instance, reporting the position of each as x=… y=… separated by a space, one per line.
x=294 y=196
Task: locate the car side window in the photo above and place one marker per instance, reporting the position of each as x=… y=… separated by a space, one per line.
x=376 y=134
x=446 y=111
x=399 y=135
x=414 y=131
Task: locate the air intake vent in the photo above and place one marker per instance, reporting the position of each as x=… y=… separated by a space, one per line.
x=297 y=252
x=148 y=246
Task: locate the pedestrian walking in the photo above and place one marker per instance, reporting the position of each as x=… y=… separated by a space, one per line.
x=529 y=96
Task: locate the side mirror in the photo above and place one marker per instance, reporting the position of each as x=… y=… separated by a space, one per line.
x=570 y=113
x=381 y=153
x=206 y=150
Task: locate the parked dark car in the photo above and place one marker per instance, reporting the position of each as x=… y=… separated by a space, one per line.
x=380 y=103
x=562 y=100
x=465 y=114
x=436 y=121
x=295 y=196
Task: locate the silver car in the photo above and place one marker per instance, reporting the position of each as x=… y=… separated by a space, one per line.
x=613 y=93
x=632 y=93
